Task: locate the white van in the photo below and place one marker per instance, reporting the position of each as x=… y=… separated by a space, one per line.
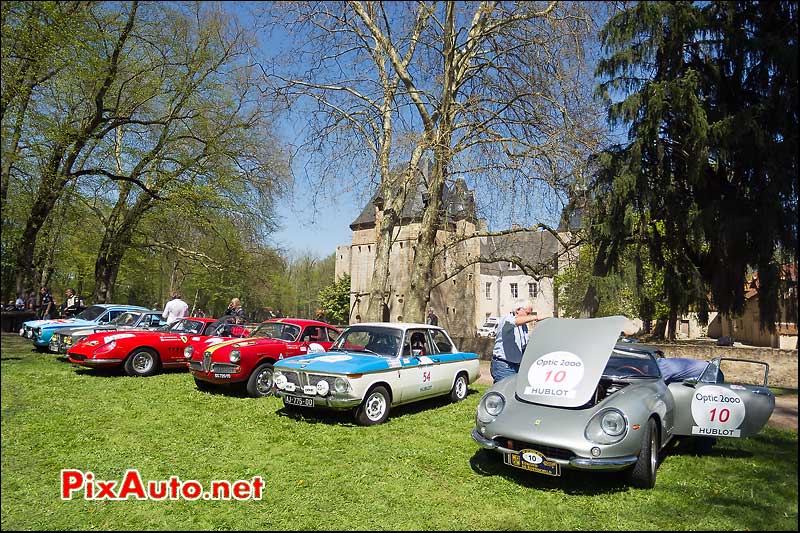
x=489 y=328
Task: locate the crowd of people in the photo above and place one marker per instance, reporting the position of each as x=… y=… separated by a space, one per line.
x=45 y=307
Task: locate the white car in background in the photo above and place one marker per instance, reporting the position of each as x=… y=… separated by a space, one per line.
x=489 y=328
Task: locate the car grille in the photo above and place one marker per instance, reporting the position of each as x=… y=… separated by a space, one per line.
x=549 y=451
x=294 y=377
x=313 y=379
x=196 y=365
x=78 y=357
x=207 y=361
x=223 y=368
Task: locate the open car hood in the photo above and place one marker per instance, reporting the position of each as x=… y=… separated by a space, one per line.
x=565 y=358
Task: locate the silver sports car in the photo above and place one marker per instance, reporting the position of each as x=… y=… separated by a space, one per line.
x=581 y=401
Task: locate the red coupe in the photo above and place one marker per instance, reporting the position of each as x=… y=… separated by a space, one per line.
x=250 y=360
x=142 y=353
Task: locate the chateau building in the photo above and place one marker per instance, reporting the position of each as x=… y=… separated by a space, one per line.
x=462 y=302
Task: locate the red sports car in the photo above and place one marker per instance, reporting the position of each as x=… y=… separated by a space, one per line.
x=250 y=360
x=142 y=353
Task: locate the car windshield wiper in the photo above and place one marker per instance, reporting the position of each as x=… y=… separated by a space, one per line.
x=628 y=376
x=366 y=350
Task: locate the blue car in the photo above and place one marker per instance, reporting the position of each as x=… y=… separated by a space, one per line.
x=40 y=331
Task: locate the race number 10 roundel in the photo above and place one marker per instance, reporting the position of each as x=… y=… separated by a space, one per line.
x=717 y=411
x=555 y=374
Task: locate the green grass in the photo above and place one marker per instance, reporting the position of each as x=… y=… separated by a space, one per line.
x=420 y=470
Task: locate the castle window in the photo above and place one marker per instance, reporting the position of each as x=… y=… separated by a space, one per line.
x=514 y=291
x=512 y=266
x=533 y=290
x=488 y=290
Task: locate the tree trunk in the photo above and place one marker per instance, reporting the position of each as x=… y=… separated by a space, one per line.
x=49 y=191
x=673 y=321
x=422 y=273
x=116 y=241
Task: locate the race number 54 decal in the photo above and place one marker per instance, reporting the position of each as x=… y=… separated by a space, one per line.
x=717 y=412
x=555 y=374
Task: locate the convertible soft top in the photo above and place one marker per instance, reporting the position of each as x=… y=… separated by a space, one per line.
x=565 y=358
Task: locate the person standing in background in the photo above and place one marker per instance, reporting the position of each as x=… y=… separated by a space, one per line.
x=512 y=338
x=175 y=308
x=46 y=305
x=73 y=304
x=236 y=311
x=432 y=319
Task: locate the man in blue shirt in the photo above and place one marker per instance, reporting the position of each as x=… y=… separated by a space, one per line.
x=512 y=338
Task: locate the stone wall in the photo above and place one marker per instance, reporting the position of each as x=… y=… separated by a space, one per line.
x=782 y=363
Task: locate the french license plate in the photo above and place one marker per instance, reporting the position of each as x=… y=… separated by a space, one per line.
x=532 y=461
x=302 y=402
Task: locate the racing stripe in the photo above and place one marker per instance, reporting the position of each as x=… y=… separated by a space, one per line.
x=213 y=347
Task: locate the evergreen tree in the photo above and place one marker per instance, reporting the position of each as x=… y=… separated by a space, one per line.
x=707 y=180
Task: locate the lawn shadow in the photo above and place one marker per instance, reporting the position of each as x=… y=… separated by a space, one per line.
x=100 y=372
x=11 y=358
x=323 y=415
x=686 y=447
x=118 y=371
x=318 y=415
x=574 y=482
x=234 y=390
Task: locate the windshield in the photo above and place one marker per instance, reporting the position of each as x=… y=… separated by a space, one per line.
x=91 y=313
x=127 y=319
x=186 y=326
x=384 y=342
x=624 y=364
x=277 y=330
x=489 y=325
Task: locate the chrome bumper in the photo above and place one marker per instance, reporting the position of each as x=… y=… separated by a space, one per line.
x=332 y=403
x=577 y=463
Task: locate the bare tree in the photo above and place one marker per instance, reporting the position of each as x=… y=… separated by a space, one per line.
x=492 y=91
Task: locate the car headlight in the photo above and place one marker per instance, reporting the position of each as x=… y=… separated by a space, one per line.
x=279 y=379
x=234 y=356
x=341 y=385
x=188 y=351
x=38 y=331
x=492 y=405
x=608 y=426
x=323 y=388
x=612 y=423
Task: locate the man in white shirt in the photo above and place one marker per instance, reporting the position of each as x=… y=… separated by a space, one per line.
x=175 y=308
x=512 y=338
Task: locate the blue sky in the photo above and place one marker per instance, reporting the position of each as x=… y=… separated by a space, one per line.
x=315 y=230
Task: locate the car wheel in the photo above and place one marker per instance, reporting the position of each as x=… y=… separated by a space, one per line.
x=643 y=473
x=375 y=407
x=142 y=362
x=459 y=390
x=260 y=382
x=203 y=386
